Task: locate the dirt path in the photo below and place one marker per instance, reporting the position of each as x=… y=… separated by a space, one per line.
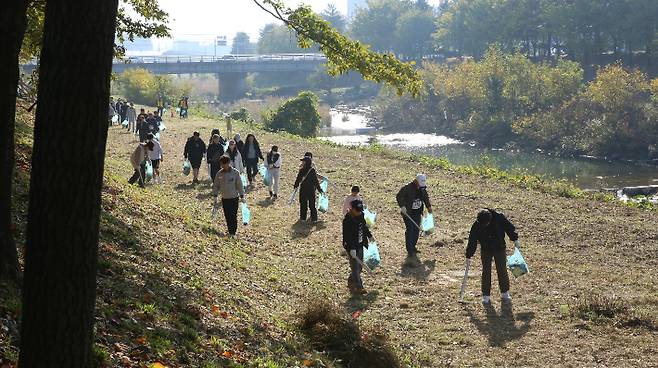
x=576 y=249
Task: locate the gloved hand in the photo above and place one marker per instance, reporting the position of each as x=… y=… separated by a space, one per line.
x=517 y=244
x=353 y=253
x=371 y=239
x=403 y=210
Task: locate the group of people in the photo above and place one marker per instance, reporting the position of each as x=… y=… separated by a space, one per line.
x=229 y=161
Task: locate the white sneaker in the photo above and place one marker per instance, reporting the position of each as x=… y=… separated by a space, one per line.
x=486 y=299
x=506 y=296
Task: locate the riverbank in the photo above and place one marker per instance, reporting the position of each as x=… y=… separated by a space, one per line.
x=172 y=288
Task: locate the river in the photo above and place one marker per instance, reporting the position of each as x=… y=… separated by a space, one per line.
x=586 y=173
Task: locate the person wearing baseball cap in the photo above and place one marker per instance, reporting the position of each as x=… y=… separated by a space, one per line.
x=413 y=199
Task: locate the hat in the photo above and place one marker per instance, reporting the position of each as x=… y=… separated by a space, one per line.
x=357 y=204
x=422 y=180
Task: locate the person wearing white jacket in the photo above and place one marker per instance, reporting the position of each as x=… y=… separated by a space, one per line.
x=236 y=158
x=274 y=167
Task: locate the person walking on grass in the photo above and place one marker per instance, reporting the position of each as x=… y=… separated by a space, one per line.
x=238 y=142
x=194 y=151
x=251 y=153
x=234 y=155
x=355 y=195
x=274 y=167
x=160 y=105
x=213 y=155
x=307 y=182
x=156 y=157
x=489 y=230
x=111 y=111
x=412 y=199
x=356 y=236
x=229 y=184
x=138 y=161
x=131 y=115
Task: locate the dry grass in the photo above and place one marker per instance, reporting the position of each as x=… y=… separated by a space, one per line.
x=169 y=275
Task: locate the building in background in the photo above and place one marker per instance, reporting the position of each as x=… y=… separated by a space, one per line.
x=353 y=5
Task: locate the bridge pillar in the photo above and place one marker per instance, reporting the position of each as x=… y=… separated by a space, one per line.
x=232 y=86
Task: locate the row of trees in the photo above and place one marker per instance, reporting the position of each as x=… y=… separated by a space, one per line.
x=581 y=29
x=142 y=87
x=507 y=99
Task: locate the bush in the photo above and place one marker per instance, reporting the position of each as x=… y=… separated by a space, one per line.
x=298 y=115
x=333 y=331
x=614 y=116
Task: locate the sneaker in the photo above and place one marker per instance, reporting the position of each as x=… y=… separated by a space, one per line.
x=506 y=296
x=486 y=299
x=271 y=194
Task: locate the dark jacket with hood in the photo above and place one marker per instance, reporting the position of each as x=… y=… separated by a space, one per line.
x=355 y=232
x=409 y=194
x=492 y=236
x=214 y=153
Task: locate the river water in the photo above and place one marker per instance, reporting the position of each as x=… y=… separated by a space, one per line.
x=587 y=173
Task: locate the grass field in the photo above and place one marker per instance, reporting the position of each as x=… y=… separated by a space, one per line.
x=173 y=289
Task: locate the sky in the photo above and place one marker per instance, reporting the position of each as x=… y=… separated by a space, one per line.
x=203 y=19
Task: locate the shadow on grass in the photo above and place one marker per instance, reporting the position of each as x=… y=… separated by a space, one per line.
x=264 y=203
x=415 y=268
x=359 y=303
x=501 y=328
x=158 y=313
x=302 y=229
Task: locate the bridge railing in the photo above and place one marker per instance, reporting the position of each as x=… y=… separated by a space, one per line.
x=221 y=59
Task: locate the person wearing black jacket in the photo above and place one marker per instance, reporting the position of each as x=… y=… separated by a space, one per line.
x=213 y=154
x=356 y=236
x=149 y=126
x=489 y=230
x=194 y=151
x=250 y=154
x=222 y=141
x=307 y=182
x=412 y=199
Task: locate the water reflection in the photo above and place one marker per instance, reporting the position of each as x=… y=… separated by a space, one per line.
x=586 y=173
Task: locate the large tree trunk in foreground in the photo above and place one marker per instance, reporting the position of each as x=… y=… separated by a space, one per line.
x=65 y=192
x=12 y=29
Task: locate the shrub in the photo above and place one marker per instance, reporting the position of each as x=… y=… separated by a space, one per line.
x=333 y=331
x=298 y=115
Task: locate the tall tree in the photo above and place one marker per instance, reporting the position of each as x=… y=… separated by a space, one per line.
x=61 y=249
x=334 y=17
x=12 y=27
x=413 y=33
x=23 y=22
x=375 y=24
x=241 y=44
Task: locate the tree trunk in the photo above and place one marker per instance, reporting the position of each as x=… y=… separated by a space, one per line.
x=12 y=29
x=65 y=193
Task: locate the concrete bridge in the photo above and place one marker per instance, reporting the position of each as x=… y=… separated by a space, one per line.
x=231 y=70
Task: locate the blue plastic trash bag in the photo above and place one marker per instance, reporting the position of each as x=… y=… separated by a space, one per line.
x=157 y=136
x=246 y=214
x=178 y=109
x=115 y=118
x=427 y=224
x=149 y=171
x=324 y=185
x=187 y=167
x=323 y=203
x=243 y=177
x=261 y=170
x=267 y=178
x=516 y=264
x=371 y=256
x=370 y=217
x=124 y=123
x=162 y=127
